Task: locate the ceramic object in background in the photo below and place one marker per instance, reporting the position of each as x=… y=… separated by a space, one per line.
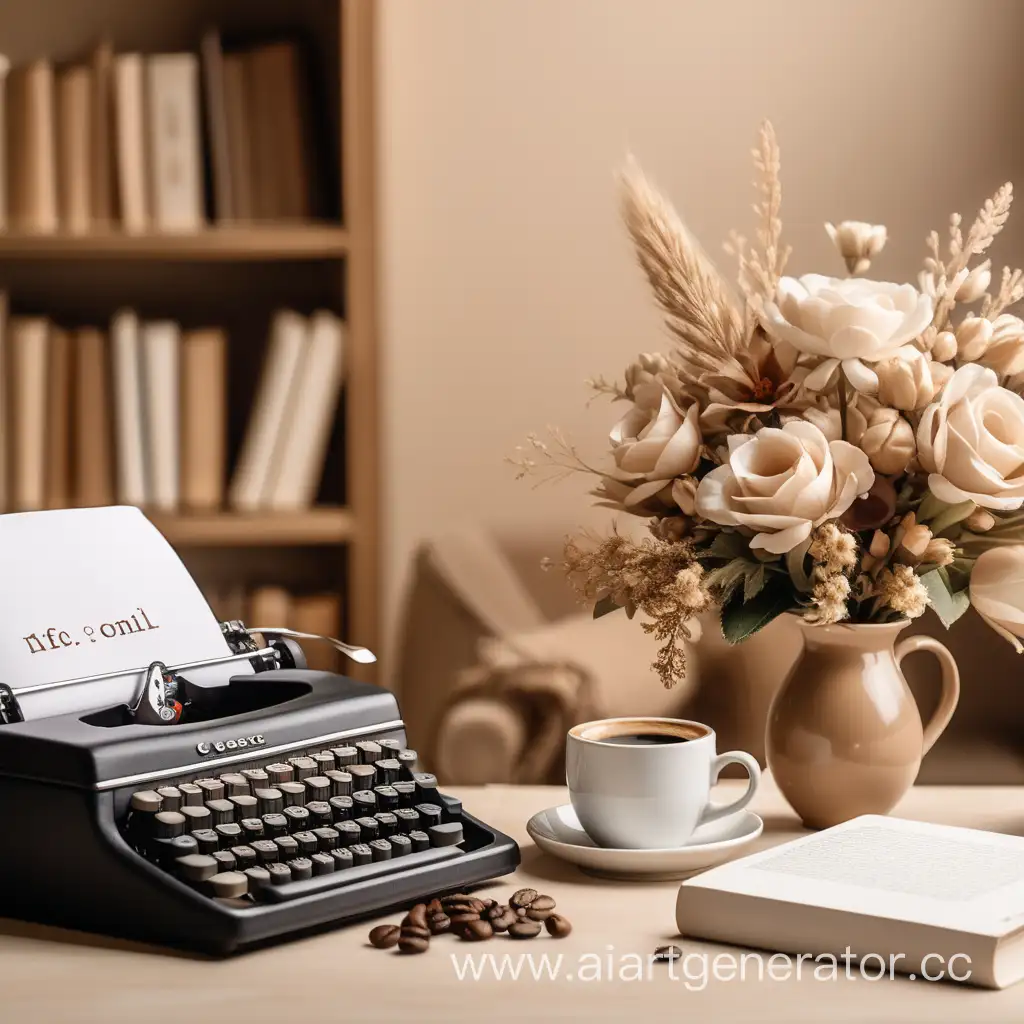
x=844 y=733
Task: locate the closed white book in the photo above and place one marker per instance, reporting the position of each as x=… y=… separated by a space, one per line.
x=29 y=337
x=125 y=345
x=904 y=897
x=130 y=133
x=215 y=105
x=161 y=359
x=74 y=164
x=175 y=146
x=299 y=459
x=32 y=158
x=250 y=486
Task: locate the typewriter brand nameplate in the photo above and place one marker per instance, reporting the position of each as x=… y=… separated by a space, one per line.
x=91 y=591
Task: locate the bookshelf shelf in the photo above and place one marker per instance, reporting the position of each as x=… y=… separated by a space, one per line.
x=315 y=526
x=259 y=242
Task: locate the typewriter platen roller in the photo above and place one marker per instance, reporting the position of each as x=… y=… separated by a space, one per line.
x=283 y=801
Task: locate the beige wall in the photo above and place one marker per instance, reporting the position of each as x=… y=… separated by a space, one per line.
x=506 y=277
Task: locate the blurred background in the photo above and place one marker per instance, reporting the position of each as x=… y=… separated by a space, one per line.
x=297 y=277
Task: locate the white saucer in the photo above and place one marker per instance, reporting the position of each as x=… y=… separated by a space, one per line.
x=557 y=831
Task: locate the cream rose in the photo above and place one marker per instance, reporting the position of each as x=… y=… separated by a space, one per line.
x=849 y=321
x=997 y=591
x=654 y=443
x=782 y=482
x=971 y=441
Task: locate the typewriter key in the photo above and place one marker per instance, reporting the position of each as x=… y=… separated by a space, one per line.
x=266 y=850
x=348 y=832
x=387 y=798
x=361 y=854
x=323 y=863
x=420 y=841
x=230 y=834
x=196 y=867
x=228 y=884
x=364 y=801
x=225 y=860
x=279 y=873
x=388 y=770
x=369 y=828
x=294 y=793
x=252 y=828
x=302 y=868
x=213 y=789
x=364 y=776
x=245 y=806
x=147 y=801
x=342 y=858
x=451 y=806
x=278 y=773
x=258 y=778
x=168 y=824
x=407 y=759
x=298 y=817
x=304 y=767
x=406 y=792
x=171 y=797
x=275 y=825
x=408 y=819
x=345 y=755
x=369 y=751
x=326 y=838
x=341 y=807
x=380 y=849
x=223 y=811
x=208 y=840
x=387 y=824
x=235 y=784
x=287 y=847
x=245 y=857
x=448 y=834
x=320 y=813
x=307 y=842
x=257 y=878
x=430 y=814
x=317 y=787
x=341 y=783
x=426 y=786
x=196 y=817
x=392 y=745
x=183 y=845
x=191 y=794
x=400 y=845
x=324 y=762
x=268 y=801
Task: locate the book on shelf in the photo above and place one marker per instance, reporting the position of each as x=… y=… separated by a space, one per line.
x=32 y=163
x=917 y=896
x=239 y=139
x=103 y=203
x=204 y=384
x=130 y=132
x=216 y=113
x=5 y=68
x=57 y=439
x=129 y=422
x=94 y=427
x=28 y=349
x=160 y=401
x=74 y=163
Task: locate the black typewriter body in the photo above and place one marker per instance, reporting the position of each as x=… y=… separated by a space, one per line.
x=75 y=854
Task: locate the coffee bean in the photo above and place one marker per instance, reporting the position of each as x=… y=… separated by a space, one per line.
x=503 y=921
x=413 y=931
x=523 y=898
x=543 y=903
x=667 y=953
x=476 y=931
x=493 y=911
x=460 y=908
x=519 y=911
x=478 y=905
x=538 y=915
x=384 y=936
x=417 y=916
x=558 y=927
x=489 y=904
x=458 y=920
x=434 y=906
x=455 y=897
x=524 y=929
x=413 y=944
x=439 y=923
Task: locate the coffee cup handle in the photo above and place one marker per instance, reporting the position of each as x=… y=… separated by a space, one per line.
x=715 y=811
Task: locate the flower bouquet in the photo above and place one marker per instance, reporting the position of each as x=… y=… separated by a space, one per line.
x=836 y=447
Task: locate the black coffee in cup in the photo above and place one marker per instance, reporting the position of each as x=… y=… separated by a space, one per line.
x=644 y=739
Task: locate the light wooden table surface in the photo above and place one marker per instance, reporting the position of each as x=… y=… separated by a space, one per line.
x=49 y=975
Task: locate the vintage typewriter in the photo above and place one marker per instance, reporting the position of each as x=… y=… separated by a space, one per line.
x=219 y=817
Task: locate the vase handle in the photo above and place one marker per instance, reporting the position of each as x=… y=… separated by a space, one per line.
x=950 y=683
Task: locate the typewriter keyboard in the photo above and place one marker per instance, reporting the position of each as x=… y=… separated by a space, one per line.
x=297 y=827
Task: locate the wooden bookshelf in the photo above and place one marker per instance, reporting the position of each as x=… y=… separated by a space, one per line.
x=236 y=275
x=271 y=242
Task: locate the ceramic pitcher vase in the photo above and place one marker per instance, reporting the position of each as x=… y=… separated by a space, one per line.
x=844 y=733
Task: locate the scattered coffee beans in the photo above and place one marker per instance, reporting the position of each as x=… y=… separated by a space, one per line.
x=667 y=953
x=384 y=936
x=474 y=920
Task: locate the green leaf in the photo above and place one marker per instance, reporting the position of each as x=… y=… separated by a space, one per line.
x=754 y=582
x=728 y=546
x=741 y=619
x=604 y=606
x=948 y=606
x=951 y=515
x=958 y=574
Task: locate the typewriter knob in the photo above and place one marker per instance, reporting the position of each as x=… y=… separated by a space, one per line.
x=290 y=653
x=158 y=703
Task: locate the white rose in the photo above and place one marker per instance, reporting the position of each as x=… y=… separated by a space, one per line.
x=971 y=441
x=654 y=442
x=782 y=482
x=997 y=591
x=851 y=321
x=1005 y=350
x=906 y=381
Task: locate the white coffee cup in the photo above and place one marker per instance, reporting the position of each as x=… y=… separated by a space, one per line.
x=648 y=794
